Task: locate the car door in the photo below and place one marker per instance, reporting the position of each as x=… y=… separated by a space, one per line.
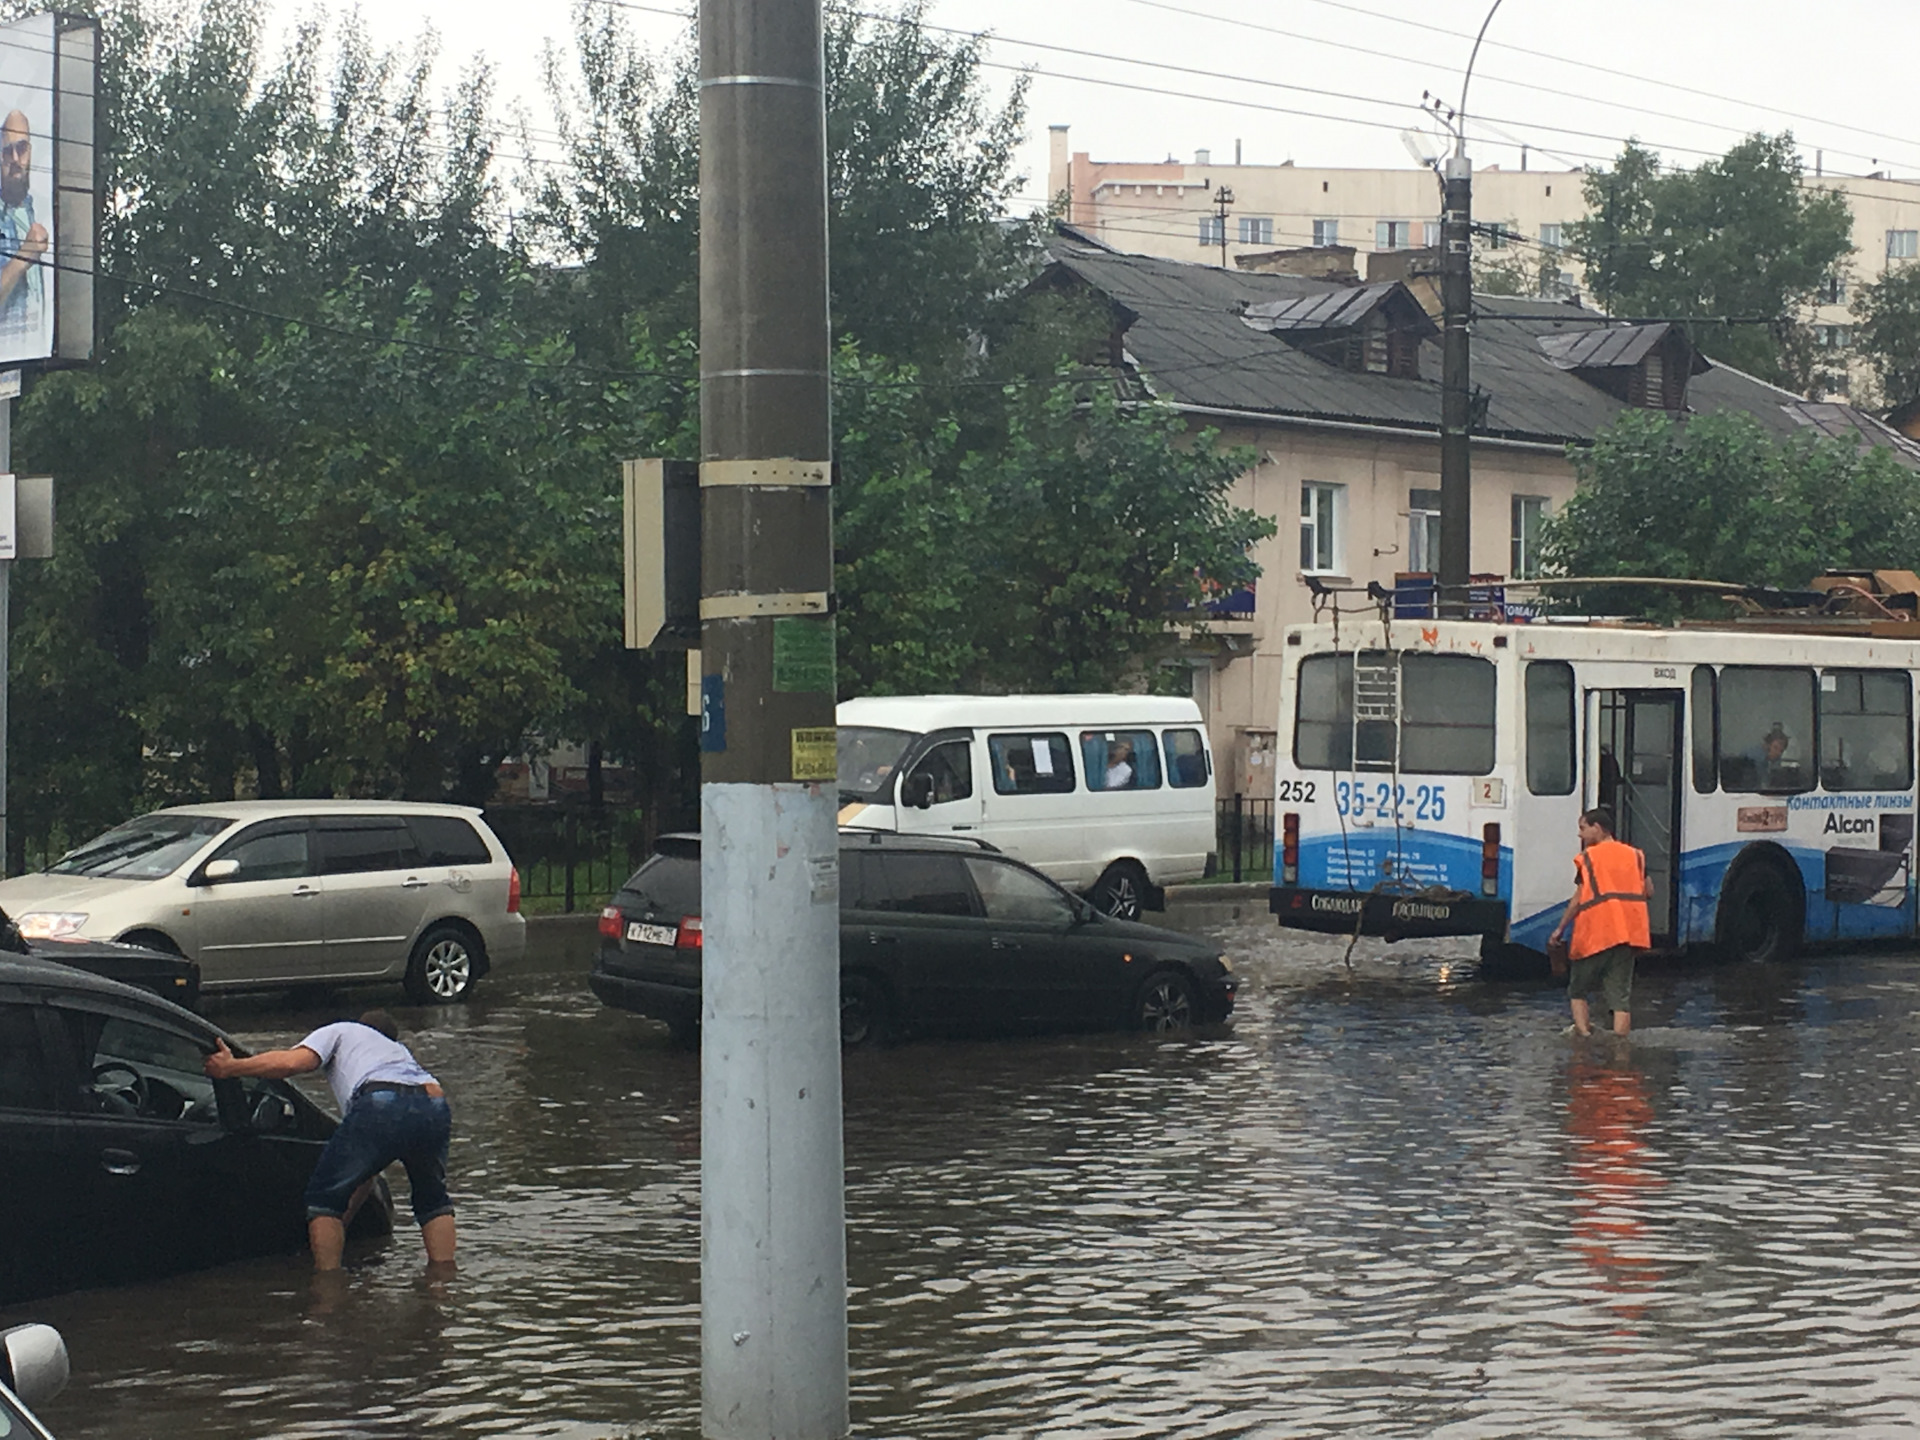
x=263 y=922
x=938 y=795
x=376 y=892
x=38 y=1165
x=1044 y=954
x=155 y=1192
x=925 y=927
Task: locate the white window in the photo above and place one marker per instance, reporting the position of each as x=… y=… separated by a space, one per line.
x=1256 y=230
x=1551 y=237
x=1326 y=232
x=1430 y=234
x=1393 y=235
x=1833 y=337
x=1903 y=244
x=1320 y=517
x=1213 y=229
x=1556 y=284
x=1833 y=290
x=1423 y=530
x=1529 y=516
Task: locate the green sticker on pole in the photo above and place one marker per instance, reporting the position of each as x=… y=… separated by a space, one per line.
x=803 y=655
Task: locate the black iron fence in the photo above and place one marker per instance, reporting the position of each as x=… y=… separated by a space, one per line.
x=1243 y=837
x=570 y=853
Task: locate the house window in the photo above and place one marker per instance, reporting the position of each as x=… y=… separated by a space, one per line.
x=1256 y=230
x=1500 y=232
x=1555 y=284
x=1326 y=232
x=1430 y=234
x=1832 y=291
x=1423 y=530
x=1903 y=244
x=1552 y=237
x=1529 y=517
x=1320 y=507
x=1833 y=337
x=1213 y=229
x=1393 y=235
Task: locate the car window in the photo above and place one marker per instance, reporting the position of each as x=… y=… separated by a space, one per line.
x=1031 y=764
x=269 y=1106
x=448 y=840
x=948 y=774
x=1010 y=893
x=23 y=1070
x=666 y=882
x=1186 y=759
x=139 y=1070
x=143 y=849
x=357 y=846
x=922 y=885
x=1120 y=759
x=275 y=851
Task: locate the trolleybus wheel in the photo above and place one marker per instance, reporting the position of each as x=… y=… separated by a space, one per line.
x=1760 y=913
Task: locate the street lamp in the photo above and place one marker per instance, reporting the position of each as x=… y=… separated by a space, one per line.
x=1456 y=304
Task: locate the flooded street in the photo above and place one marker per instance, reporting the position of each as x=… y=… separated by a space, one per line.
x=1395 y=1202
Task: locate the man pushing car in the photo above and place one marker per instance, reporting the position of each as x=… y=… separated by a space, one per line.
x=391 y=1109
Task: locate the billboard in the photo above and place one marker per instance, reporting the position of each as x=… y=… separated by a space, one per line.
x=27 y=202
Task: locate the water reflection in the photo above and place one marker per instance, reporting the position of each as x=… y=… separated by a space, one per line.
x=1390 y=1202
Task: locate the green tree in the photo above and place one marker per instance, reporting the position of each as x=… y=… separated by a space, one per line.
x=1718 y=498
x=1741 y=239
x=1886 y=333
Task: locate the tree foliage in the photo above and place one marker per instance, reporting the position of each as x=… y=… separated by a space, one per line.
x=1737 y=247
x=1718 y=498
x=1886 y=333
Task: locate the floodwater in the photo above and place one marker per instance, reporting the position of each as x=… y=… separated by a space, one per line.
x=1391 y=1201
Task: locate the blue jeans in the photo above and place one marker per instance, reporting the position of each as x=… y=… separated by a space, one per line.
x=382 y=1126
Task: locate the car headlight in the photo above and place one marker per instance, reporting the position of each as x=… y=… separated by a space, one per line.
x=50 y=924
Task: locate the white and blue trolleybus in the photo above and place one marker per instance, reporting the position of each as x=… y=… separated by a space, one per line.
x=1430 y=774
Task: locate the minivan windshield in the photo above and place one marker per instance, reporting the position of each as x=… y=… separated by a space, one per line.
x=869 y=760
x=143 y=849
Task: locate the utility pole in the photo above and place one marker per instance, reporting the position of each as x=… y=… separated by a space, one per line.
x=773 y=1286
x=1456 y=404
x=1222 y=203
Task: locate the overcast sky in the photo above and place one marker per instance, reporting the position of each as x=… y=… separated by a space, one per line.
x=1564 y=76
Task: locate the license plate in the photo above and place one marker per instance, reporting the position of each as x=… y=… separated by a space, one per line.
x=651 y=934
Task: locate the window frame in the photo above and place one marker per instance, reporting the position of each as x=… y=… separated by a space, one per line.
x=1811 y=771
x=1903 y=244
x=1705 y=727
x=1213 y=230
x=1524 y=556
x=1326 y=234
x=1256 y=229
x=995 y=756
x=1492 y=727
x=1322 y=509
x=1564 y=668
x=1168 y=760
x=1423 y=547
x=1821 y=716
x=1392 y=235
x=325 y=825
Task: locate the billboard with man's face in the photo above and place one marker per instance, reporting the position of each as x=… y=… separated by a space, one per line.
x=26 y=189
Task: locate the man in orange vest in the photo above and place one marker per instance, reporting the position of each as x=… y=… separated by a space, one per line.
x=1608 y=917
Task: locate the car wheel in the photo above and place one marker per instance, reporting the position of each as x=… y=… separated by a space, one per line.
x=1759 y=919
x=444 y=965
x=1121 y=892
x=864 y=1012
x=1165 y=1003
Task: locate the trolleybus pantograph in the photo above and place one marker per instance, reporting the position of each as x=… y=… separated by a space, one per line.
x=1431 y=773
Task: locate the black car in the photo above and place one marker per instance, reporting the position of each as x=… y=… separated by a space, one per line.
x=171 y=977
x=119 y=1159
x=934 y=935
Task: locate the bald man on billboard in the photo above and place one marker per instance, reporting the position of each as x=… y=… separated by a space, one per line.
x=23 y=239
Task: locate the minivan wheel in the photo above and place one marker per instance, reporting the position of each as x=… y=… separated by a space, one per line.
x=443 y=966
x=863 y=1012
x=1121 y=891
x=1166 y=1002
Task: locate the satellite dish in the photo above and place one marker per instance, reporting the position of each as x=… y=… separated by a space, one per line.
x=1422 y=147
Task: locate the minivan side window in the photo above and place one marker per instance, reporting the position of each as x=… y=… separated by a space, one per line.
x=1120 y=759
x=1186 y=759
x=1031 y=764
x=448 y=840
x=274 y=851
x=356 y=846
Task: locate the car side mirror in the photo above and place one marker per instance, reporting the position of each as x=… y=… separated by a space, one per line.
x=33 y=1362
x=271 y=1114
x=214 y=871
x=918 y=790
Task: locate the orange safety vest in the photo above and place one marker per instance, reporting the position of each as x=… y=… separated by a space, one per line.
x=1609 y=899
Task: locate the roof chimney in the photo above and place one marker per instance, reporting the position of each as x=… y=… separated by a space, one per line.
x=1203 y=157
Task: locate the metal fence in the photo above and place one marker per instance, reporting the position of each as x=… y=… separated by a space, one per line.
x=1243 y=837
x=569 y=853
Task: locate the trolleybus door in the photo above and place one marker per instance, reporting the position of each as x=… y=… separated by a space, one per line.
x=1633 y=764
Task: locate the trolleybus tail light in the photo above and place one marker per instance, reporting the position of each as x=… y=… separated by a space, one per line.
x=1490 y=859
x=688 y=937
x=1290 y=848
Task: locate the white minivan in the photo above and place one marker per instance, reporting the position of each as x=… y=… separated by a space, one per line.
x=1110 y=795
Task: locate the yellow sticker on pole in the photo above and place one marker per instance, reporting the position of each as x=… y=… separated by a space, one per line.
x=816 y=753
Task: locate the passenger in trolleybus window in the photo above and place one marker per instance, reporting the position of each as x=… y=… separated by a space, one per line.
x=1608 y=920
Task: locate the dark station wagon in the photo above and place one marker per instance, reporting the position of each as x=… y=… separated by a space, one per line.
x=935 y=935
x=119 y=1159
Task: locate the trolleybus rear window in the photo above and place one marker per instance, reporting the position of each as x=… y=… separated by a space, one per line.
x=1436 y=712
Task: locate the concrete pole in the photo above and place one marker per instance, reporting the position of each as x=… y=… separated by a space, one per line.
x=1456 y=454
x=773 y=1288
x=6 y=629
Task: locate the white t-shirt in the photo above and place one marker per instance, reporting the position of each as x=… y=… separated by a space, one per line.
x=1119 y=775
x=352 y=1054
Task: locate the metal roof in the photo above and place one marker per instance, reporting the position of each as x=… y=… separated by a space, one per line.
x=1339 y=309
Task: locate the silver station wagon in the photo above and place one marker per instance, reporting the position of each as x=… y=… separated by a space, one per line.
x=291 y=892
